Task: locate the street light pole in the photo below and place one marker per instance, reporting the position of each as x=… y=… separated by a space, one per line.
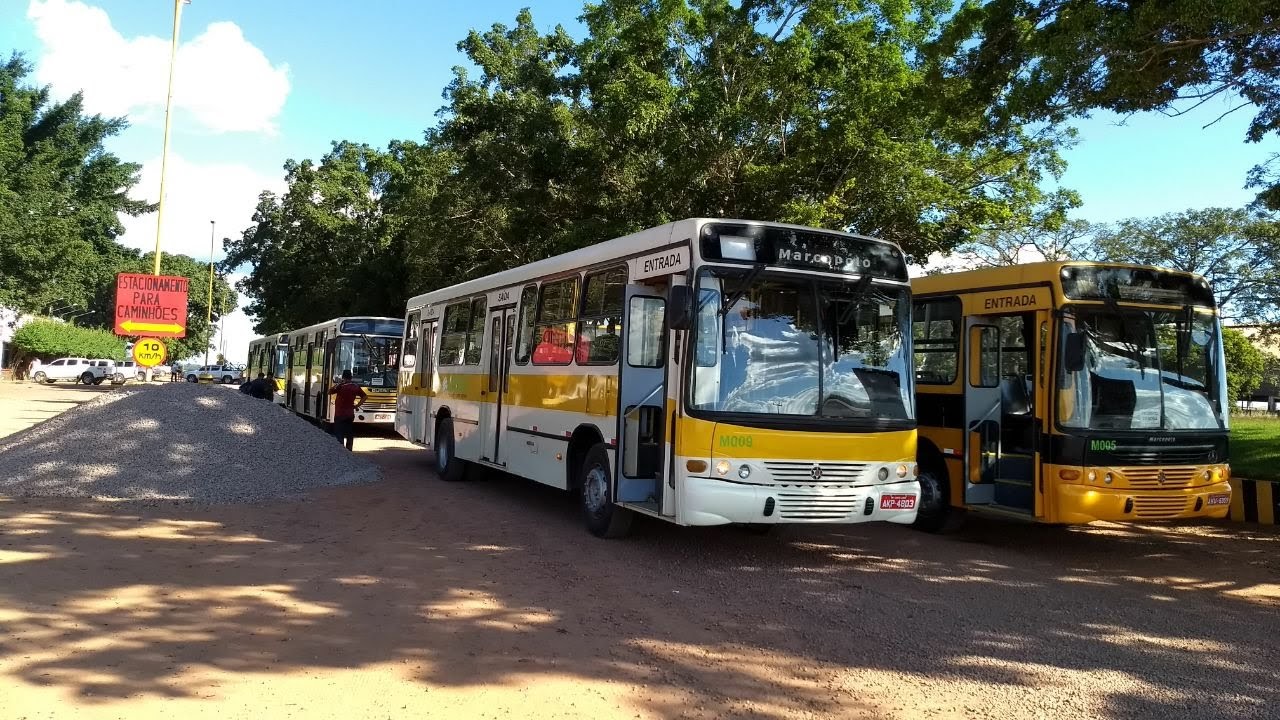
x=168 y=107
x=208 y=317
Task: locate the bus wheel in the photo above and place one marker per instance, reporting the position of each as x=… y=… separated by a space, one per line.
x=448 y=466
x=935 y=514
x=604 y=518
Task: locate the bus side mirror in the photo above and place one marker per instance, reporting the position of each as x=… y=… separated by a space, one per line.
x=680 y=307
x=1073 y=355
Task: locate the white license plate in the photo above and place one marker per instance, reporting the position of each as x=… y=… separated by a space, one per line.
x=897 y=502
x=1220 y=499
x=378 y=418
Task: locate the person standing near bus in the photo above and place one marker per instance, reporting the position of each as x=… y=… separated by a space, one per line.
x=347 y=396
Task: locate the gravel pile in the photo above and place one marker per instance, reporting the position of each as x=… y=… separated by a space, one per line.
x=176 y=442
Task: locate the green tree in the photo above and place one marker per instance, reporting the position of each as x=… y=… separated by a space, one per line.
x=822 y=113
x=1055 y=60
x=1245 y=364
x=61 y=194
x=324 y=248
x=1236 y=250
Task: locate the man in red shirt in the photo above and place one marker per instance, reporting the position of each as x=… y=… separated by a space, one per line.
x=347 y=396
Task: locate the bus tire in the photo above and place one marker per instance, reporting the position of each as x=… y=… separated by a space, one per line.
x=448 y=466
x=936 y=515
x=595 y=487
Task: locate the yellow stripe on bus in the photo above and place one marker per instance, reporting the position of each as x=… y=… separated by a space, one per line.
x=595 y=394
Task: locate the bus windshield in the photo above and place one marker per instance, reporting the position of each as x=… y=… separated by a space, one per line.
x=1143 y=370
x=790 y=345
x=373 y=361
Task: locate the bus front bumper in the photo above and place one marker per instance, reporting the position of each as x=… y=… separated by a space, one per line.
x=706 y=501
x=1079 y=504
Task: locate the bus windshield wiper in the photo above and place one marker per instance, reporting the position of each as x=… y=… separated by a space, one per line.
x=747 y=279
x=1109 y=300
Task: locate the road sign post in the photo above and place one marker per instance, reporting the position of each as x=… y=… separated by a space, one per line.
x=151 y=305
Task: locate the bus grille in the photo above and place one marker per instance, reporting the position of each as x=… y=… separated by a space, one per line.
x=1147 y=478
x=1156 y=507
x=1164 y=455
x=377 y=406
x=812 y=507
x=801 y=473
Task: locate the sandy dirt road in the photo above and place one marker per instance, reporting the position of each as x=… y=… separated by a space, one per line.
x=486 y=599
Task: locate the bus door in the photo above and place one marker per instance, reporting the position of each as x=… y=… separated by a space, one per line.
x=493 y=397
x=306 y=390
x=1002 y=431
x=642 y=397
x=426 y=380
x=326 y=379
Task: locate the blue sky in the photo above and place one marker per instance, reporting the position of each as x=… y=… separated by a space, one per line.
x=267 y=81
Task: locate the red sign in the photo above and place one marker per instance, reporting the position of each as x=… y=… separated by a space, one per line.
x=151 y=305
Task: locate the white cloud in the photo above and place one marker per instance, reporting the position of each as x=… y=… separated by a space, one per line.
x=195 y=194
x=225 y=82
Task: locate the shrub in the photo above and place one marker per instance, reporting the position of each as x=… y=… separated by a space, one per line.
x=45 y=338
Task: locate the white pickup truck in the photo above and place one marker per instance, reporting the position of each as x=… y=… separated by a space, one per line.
x=78 y=370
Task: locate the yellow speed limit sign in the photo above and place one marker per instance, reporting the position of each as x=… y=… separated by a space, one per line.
x=149 y=352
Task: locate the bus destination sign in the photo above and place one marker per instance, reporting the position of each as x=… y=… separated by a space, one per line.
x=807 y=249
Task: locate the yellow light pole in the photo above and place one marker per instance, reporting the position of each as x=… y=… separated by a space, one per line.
x=168 y=107
x=208 y=316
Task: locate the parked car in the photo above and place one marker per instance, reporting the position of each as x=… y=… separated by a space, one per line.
x=102 y=370
x=130 y=370
x=80 y=370
x=215 y=373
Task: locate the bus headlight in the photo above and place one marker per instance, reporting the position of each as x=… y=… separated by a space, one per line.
x=883 y=474
x=1092 y=475
x=744 y=472
x=1208 y=475
x=723 y=467
x=902 y=471
x=1107 y=478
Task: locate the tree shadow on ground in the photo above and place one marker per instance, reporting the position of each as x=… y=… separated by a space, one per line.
x=493 y=583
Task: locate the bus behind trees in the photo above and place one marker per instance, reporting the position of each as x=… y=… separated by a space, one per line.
x=1069 y=392
x=703 y=372
x=369 y=347
x=270 y=356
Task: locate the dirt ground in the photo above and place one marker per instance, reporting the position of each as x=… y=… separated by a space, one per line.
x=416 y=598
x=23 y=404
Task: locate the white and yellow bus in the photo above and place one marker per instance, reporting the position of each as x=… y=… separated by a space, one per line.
x=367 y=346
x=703 y=372
x=270 y=356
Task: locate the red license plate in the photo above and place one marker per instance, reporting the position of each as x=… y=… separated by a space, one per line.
x=897 y=502
x=1220 y=499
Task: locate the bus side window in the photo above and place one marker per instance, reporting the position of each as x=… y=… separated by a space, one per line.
x=453 y=333
x=601 y=320
x=410 y=359
x=528 y=306
x=475 y=333
x=936 y=338
x=553 y=331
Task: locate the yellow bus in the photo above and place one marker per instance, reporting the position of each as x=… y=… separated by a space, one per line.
x=1069 y=392
x=703 y=372
x=270 y=356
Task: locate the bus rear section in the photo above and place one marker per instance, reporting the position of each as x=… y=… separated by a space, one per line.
x=1070 y=393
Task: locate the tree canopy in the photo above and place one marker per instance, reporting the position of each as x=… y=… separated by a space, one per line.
x=831 y=114
x=1054 y=59
x=61 y=197
x=61 y=194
